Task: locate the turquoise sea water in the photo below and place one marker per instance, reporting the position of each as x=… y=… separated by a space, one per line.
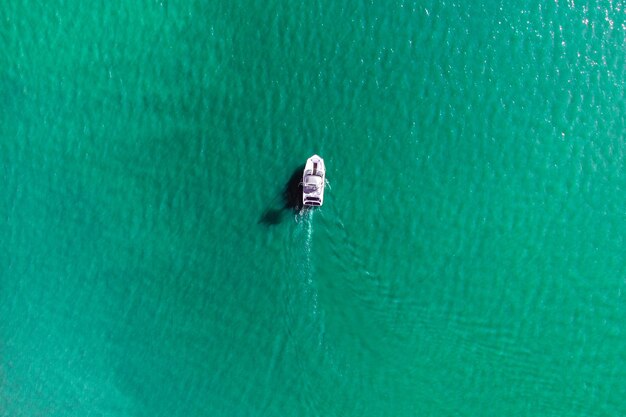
x=468 y=261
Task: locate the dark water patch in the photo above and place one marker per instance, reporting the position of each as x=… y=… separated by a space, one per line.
x=272 y=217
x=292 y=193
x=291 y=200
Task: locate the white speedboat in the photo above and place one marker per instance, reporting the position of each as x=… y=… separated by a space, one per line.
x=313 y=181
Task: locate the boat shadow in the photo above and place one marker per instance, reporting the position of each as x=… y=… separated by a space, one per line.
x=291 y=200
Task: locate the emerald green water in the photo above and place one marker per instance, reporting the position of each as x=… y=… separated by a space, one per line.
x=468 y=261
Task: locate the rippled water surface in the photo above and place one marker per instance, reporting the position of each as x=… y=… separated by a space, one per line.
x=468 y=260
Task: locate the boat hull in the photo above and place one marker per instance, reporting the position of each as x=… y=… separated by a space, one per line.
x=313 y=182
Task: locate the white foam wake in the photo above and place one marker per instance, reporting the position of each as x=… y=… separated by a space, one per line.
x=305 y=231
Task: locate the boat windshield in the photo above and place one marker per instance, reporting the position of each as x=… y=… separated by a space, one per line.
x=312 y=183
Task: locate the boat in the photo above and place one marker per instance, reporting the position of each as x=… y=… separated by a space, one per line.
x=313 y=181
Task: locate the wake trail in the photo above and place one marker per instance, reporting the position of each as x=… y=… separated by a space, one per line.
x=315 y=322
x=305 y=232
